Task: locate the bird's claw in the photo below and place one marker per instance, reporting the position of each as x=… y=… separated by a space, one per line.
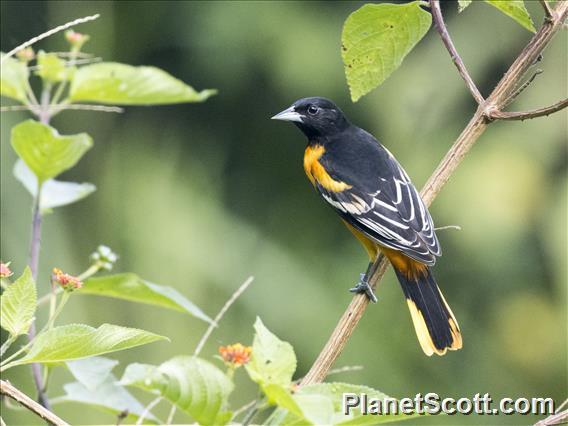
x=364 y=287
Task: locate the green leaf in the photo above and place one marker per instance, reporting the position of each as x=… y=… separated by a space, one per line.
x=54 y=193
x=273 y=361
x=77 y=341
x=44 y=151
x=375 y=40
x=133 y=288
x=515 y=9
x=18 y=305
x=323 y=403
x=93 y=371
x=193 y=384
x=51 y=68
x=120 y=84
x=14 y=79
x=96 y=385
x=462 y=4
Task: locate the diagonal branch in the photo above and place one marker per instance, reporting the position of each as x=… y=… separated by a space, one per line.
x=447 y=40
x=437 y=180
x=525 y=115
x=547 y=10
x=47 y=34
x=7 y=389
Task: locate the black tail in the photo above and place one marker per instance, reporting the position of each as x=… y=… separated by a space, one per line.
x=434 y=322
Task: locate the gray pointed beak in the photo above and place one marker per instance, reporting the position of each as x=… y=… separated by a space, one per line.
x=289 y=114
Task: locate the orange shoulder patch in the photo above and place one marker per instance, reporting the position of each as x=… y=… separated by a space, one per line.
x=317 y=173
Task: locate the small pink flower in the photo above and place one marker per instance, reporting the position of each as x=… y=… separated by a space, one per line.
x=26 y=55
x=5 y=271
x=75 y=39
x=66 y=281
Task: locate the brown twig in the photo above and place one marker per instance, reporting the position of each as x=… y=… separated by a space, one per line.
x=447 y=40
x=546 y=7
x=10 y=391
x=525 y=115
x=437 y=180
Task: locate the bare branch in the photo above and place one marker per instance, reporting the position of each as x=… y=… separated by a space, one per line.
x=554 y=419
x=7 y=389
x=47 y=34
x=437 y=180
x=546 y=7
x=224 y=309
x=526 y=115
x=447 y=40
x=61 y=107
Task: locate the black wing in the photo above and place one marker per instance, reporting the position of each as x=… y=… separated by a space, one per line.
x=386 y=207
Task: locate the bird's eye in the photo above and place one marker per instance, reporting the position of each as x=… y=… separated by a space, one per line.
x=313 y=110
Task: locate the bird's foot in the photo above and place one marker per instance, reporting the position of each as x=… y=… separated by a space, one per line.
x=364 y=287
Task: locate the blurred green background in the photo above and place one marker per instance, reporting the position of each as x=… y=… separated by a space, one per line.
x=200 y=196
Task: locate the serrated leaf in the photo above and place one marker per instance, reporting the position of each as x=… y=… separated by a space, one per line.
x=14 y=79
x=273 y=361
x=97 y=386
x=46 y=152
x=131 y=287
x=51 y=68
x=93 y=371
x=194 y=385
x=515 y=9
x=54 y=193
x=120 y=84
x=76 y=341
x=375 y=40
x=18 y=305
x=462 y=4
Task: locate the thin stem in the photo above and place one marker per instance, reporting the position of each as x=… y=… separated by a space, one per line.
x=6 y=345
x=447 y=40
x=36 y=234
x=475 y=128
x=10 y=391
x=244 y=408
x=526 y=115
x=34 y=264
x=171 y=415
x=57 y=108
x=521 y=89
x=546 y=7
x=250 y=415
x=147 y=409
x=224 y=309
x=47 y=34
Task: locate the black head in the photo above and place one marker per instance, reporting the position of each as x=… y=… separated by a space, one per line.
x=315 y=117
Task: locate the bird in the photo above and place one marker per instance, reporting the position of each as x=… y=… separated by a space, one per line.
x=374 y=197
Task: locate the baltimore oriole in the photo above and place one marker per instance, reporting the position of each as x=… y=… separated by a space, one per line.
x=376 y=200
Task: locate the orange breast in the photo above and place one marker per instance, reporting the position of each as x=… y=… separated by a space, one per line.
x=317 y=173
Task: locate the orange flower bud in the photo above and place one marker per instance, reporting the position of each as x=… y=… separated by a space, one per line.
x=66 y=281
x=235 y=355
